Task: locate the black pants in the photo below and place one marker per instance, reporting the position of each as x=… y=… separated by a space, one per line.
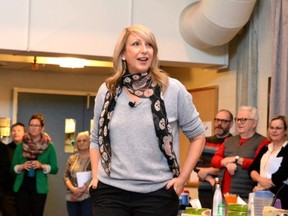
x=9 y=206
x=30 y=204
x=206 y=197
x=28 y=201
x=111 y=201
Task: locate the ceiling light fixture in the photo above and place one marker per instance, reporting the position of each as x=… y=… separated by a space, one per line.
x=72 y=62
x=67 y=62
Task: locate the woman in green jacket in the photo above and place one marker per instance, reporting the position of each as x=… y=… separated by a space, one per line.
x=34 y=158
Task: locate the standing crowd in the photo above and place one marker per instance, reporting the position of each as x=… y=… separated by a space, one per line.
x=246 y=162
x=24 y=167
x=132 y=153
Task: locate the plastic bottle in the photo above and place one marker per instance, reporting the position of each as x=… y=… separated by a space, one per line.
x=183 y=201
x=251 y=204
x=31 y=172
x=278 y=204
x=261 y=199
x=217 y=199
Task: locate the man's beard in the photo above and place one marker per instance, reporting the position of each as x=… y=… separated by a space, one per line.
x=219 y=131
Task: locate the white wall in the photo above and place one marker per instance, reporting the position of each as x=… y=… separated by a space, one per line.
x=264 y=63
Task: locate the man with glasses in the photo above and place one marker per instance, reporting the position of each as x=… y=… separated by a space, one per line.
x=223 y=121
x=236 y=154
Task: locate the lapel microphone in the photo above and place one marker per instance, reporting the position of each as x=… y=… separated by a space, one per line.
x=132 y=104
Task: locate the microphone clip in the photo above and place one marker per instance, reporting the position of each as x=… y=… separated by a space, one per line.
x=132 y=104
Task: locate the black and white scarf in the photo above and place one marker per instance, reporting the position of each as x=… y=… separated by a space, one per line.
x=140 y=85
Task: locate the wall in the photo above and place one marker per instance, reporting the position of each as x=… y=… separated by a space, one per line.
x=264 y=62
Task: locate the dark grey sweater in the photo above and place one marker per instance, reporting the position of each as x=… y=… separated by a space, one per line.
x=240 y=183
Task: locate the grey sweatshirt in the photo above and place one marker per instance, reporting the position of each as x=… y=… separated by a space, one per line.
x=137 y=163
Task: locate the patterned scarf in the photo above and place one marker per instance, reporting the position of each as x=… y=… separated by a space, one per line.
x=32 y=149
x=140 y=85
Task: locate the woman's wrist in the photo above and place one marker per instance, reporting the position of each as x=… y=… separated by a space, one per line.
x=43 y=167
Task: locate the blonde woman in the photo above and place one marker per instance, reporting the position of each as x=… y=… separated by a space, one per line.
x=77 y=197
x=269 y=168
x=135 y=139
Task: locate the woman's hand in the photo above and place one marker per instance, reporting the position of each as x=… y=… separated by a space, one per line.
x=178 y=185
x=26 y=166
x=265 y=183
x=35 y=164
x=77 y=192
x=93 y=183
x=258 y=188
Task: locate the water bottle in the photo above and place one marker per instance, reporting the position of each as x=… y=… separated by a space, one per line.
x=31 y=172
x=217 y=201
x=251 y=204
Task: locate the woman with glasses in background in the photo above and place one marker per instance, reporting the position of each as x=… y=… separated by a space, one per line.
x=33 y=160
x=270 y=168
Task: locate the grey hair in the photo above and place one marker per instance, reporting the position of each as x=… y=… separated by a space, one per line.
x=253 y=111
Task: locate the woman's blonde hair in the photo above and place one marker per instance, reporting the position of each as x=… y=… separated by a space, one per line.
x=157 y=74
x=81 y=134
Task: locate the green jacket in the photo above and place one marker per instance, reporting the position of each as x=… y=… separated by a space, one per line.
x=48 y=157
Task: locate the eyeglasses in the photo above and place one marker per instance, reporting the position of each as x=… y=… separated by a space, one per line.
x=225 y=121
x=276 y=128
x=242 y=120
x=33 y=125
